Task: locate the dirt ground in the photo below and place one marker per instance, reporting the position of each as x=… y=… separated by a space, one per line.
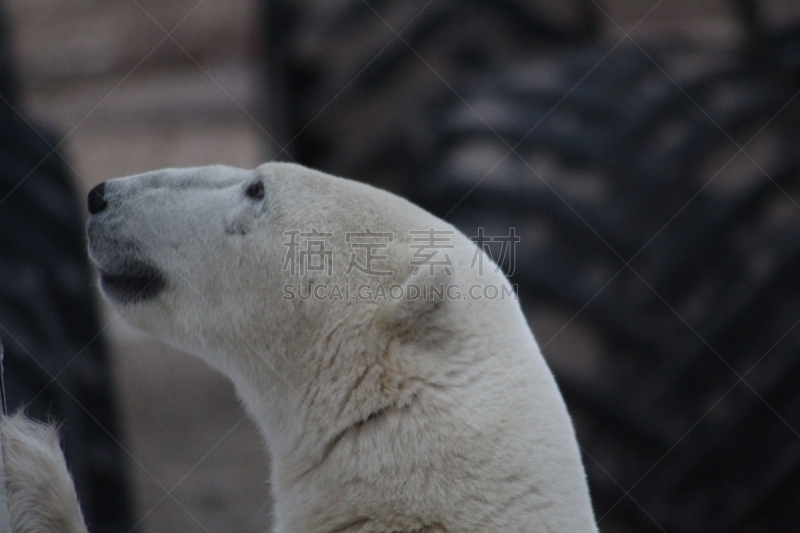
x=125 y=97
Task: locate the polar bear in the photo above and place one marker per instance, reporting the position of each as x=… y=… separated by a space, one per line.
x=393 y=392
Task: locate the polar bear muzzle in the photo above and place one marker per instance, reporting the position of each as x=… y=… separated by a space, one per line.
x=125 y=275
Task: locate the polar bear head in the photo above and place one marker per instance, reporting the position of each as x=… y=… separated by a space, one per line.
x=221 y=262
x=382 y=355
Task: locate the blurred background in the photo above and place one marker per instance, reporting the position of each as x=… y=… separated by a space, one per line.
x=644 y=152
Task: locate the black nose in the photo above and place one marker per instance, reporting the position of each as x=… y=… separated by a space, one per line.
x=96 y=200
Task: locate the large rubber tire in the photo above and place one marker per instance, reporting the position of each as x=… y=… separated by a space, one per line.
x=654 y=274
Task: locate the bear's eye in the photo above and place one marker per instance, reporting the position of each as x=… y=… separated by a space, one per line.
x=255 y=190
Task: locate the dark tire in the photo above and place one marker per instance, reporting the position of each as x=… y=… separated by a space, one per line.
x=653 y=281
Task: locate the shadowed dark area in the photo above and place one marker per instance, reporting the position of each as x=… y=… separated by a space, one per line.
x=132 y=283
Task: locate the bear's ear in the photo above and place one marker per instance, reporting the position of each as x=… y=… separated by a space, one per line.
x=418 y=306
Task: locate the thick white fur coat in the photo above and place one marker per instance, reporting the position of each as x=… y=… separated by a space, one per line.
x=41 y=498
x=398 y=415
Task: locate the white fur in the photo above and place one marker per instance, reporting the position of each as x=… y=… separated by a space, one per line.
x=436 y=415
x=41 y=497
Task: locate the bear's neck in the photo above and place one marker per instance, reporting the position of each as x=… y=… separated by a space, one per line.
x=302 y=415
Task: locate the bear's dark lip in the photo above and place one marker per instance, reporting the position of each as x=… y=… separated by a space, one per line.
x=132 y=283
